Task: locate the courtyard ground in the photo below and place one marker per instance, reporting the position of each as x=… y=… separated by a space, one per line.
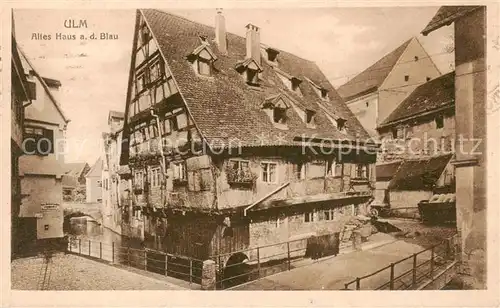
x=71 y=272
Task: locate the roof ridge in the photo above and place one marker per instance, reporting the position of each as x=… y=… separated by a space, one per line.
x=227 y=32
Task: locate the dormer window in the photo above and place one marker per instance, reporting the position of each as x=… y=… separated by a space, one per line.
x=250 y=70
x=295 y=82
x=204 y=40
x=341 y=125
x=276 y=108
x=320 y=91
x=202 y=59
x=324 y=94
x=291 y=82
x=272 y=54
x=310 y=116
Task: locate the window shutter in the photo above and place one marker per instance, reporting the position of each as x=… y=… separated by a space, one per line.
x=47 y=146
x=31 y=90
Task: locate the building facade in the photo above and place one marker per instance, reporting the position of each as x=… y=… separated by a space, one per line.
x=42 y=164
x=93 y=182
x=234 y=144
x=20 y=98
x=469 y=23
x=376 y=92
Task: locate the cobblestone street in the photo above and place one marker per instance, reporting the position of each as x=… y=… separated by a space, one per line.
x=70 y=272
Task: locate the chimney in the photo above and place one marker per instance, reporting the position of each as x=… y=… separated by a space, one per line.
x=220 y=32
x=253 y=43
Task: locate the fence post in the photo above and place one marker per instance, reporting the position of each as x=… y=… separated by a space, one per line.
x=112 y=252
x=414 y=271
x=391 y=283
x=190 y=271
x=128 y=255
x=79 y=246
x=358 y=283
x=166 y=264
x=89 y=247
x=258 y=262
x=289 y=259
x=100 y=250
x=432 y=261
x=145 y=260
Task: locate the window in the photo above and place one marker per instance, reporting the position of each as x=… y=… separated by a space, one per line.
x=180 y=173
x=252 y=76
x=362 y=171
x=324 y=94
x=400 y=132
x=139 y=179
x=269 y=172
x=439 y=120
x=155 y=178
x=145 y=35
x=341 y=125
x=328 y=214
x=155 y=71
x=38 y=141
x=407 y=77
x=309 y=216
x=238 y=171
x=367 y=104
x=333 y=168
x=310 y=116
x=240 y=166
x=300 y=171
x=416 y=58
x=204 y=67
x=272 y=54
x=279 y=115
x=394 y=132
x=166 y=127
x=141 y=82
x=99 y=183
x=46 y=227
x=427 y=78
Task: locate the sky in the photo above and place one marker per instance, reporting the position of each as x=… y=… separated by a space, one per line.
x=94 y=73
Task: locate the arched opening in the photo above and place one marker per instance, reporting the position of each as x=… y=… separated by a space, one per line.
x=236 y=271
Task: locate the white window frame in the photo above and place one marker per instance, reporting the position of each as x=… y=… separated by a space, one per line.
x=267 y=170
x=180 y=172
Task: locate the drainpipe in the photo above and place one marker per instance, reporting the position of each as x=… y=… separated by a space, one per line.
x=164 y=163
x=264 y=198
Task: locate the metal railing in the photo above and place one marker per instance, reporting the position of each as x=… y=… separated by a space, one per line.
x=409 y=272
x=250 y=264
x=180 y=267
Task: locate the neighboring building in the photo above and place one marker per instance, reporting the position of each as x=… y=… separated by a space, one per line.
x=384 y=174
x=93 y=182
x=73 y=181
x=418 y=179
x=374 y=93
x=40 y=167
x=423 y=124
x=20 y=98
x=241 y=124
x=117 y=181
x=470 y=109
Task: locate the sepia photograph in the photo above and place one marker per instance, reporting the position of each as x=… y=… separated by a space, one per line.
x=334 y=148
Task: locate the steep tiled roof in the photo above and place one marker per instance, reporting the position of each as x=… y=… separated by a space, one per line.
x=42 y=81
x=370 y=79
x=225 y=107
x=385 y=172
x=96 y=170
x=74 y=169
x=446 y=15
x=419 y=174
x=432 y=95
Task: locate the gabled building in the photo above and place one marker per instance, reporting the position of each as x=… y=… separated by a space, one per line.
x=20 y=99
x=73 y=181
x=94 y=182
x=469 y=23
x=234 y=144
x=423 y=124
x=374 y=93
x=116 y=178
x=42 y=164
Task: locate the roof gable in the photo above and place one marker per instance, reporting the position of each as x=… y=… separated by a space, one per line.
x=96 y=170
x=385 y=172
x=419 y=174
x=372 y=78
x=43 y=82
x=433 y=95
x=446 y=15
x=225 y=107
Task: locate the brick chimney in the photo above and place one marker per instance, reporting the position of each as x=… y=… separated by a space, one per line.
x=253 y=43
x=220 y=32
